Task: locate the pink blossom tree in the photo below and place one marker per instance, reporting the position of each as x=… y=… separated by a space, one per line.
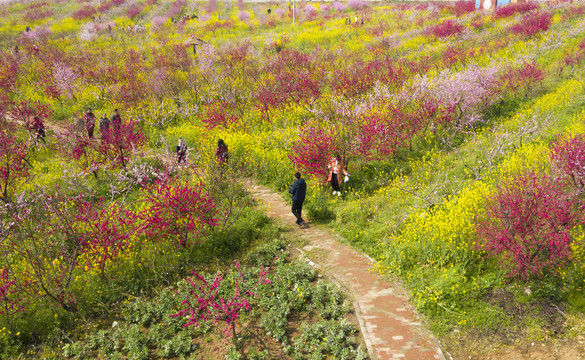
x=178 y=211
x=10 y=301
x=13 y=154
x=527 y=226
x=107 y=231
x=569 y=157
x=312 y=151
x=208 y=303
x=120 y=142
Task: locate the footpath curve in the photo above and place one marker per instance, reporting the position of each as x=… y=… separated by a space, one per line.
x=390 y=326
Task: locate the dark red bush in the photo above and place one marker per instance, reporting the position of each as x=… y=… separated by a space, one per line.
x=85 y=12
x=527 y=225
x=532 y=24
x=38 y=14
x=134 y=10
x=513 y=9
x=518 y=80
x=569 y=157
x=462 y=7
x=444 y=29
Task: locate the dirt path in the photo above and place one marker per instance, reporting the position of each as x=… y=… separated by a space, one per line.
x=389 y=324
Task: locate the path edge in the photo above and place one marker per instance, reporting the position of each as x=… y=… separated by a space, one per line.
x=356 y=306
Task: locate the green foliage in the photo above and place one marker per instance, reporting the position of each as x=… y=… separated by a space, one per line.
x=145 y=328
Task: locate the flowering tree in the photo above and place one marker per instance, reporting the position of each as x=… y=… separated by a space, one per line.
x=120 y=142
x=512 y=9
x=13 y=153
x=445 y=29
x=527 y=223
x=9 y=71
x=10 y=301
x=532 y=24
x=44 y=241
x=208 y=302
x=518 y=80
x=107 y=230
x=25 y=112
x=468 y=92
x=313 y=149
x=569 y=157
x=178 y=210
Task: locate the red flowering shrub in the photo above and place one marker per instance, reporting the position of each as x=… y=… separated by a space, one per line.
x=462 y=7
x=513 y=9
x=178 y=211
x=569 y=157
x=518 y=80
x=119 y=142
x=218 y=114
x=445 y=29
x=532 y=24
x=313 y=149
x=85 y=12
x=38 y=14
x=527 y=225
x=575 y=56
x=134 y=9
x=13 y=153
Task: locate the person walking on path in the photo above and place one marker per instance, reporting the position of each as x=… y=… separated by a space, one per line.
x=222 y=153
x=181 y=151
x=89 y=123
x=104 y=126
x=336 y=172
x=298 y=191
x=38 y=127
x=116 y=122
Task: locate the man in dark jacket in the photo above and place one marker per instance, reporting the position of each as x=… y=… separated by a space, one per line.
x=116 y=122
x=298 y=191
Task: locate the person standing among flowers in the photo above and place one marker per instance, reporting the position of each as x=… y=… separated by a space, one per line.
x=89 y=123
x=38 y=126
x=336 y=172
x=221 y=153
x=181 y=151
x=116 y=122
x=104 y=126
x=298 y=191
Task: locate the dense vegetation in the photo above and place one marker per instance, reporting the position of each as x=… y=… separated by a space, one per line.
x=463 y=132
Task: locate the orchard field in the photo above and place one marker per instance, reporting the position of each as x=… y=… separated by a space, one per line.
x=463 y=131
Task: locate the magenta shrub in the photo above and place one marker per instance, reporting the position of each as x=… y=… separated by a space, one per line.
x=134 y=9
x=532 y=24
x=513 y=9
x=38 y=14
x=207 y=302
x=244 y=16
x=462 y=7
x=86 y=11
x=517 y=81
x=313 y=149
x=527 y=226
x=445 y=29
x=178 y=210
x=569 y=158
x=13 y=155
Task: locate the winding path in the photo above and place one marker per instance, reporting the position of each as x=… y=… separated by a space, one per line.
x=390 y=326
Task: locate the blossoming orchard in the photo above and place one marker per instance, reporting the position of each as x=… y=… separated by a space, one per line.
x=121 y=220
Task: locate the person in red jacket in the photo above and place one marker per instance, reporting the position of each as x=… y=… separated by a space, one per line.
x=337 y=172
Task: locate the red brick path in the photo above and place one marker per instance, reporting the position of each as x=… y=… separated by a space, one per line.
x=390 y=326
